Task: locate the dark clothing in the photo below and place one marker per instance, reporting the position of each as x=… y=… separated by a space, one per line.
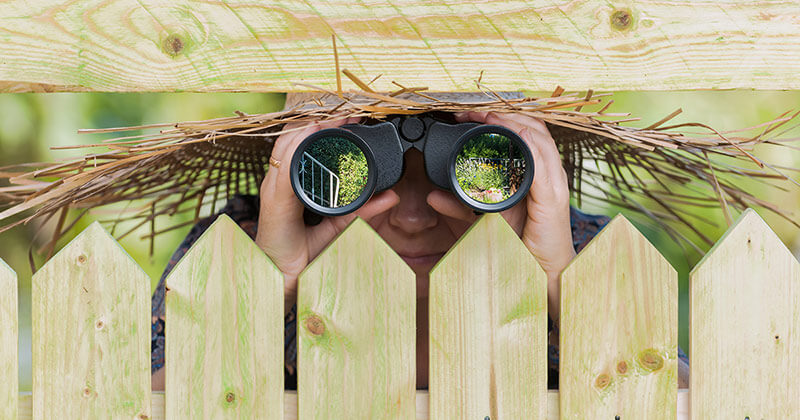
x=244 y=211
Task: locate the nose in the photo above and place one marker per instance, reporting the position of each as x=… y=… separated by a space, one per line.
x=413 y=214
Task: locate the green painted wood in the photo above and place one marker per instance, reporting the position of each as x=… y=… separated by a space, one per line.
x=290 y=404
x=90 y=321
x=356 y=331
x=9 y=327
x=619 y=329
x=745 y=326
x=179 y=45
x=224 y=340
x=488 y=328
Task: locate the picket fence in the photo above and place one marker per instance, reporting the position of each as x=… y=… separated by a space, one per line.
x=356 y=332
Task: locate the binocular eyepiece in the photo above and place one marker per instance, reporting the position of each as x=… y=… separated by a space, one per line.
x=336 y=170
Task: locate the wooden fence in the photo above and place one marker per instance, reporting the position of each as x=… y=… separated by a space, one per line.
x=356 y=332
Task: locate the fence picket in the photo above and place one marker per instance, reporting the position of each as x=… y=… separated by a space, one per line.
x=91 y=334
x=619 y=329
x=488 y=328
x=224 y=335
x=745 y=326
x=357 y=331
x=9 y=359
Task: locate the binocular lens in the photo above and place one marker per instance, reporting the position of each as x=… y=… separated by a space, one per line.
x=332 y=172
x=490 y=168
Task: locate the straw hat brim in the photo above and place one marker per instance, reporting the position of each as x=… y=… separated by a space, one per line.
x=660 y=171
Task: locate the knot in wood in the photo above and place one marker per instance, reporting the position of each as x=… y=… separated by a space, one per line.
x=651 y=360
x=230 y=397
x=315 y=325
x=622 y=367
x=82 y=259
x=172 y=45
x=143 y=417
x=621 y=19
x=602 y=381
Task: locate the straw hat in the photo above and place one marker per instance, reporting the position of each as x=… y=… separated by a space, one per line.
x=660 y=171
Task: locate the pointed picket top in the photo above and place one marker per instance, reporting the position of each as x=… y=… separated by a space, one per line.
x=488 y=328
x=9 y=327
x=356 y=328
x=745 y=293
x=619 y=329
x=224 y=340
x=91 y=332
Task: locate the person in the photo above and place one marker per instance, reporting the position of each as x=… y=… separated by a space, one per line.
x=417 y=220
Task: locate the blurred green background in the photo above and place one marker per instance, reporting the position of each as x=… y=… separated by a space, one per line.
x=32 y=123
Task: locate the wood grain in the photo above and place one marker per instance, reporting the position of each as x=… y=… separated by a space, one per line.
x=235 y=45
x=224 y=340
x=90 y=327
x=9 y=328
x=745 y=326
x=356 y=329
x=619 y=329
x=488 y=328
x=290 y=405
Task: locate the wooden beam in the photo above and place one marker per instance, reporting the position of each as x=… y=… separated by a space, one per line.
x=159 y=45
x=290 y=405
x=488 y=328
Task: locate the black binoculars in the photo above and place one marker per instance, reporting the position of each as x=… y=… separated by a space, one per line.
x=336 y=170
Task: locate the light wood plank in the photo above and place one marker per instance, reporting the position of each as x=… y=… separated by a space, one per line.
x=745 y=326
x=224 y=335
x=181 y=45
x=290 y=405
x=488 y=328
x=9 y=328
x=356 y=333
x=91 y=332
x=619 y=329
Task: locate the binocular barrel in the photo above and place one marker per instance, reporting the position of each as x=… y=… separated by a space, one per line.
x=335 y=171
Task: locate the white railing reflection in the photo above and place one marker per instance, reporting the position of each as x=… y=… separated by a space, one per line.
x=317 y=192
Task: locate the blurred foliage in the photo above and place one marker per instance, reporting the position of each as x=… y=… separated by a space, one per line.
x=489 y=146
x=32 y=123
x=353 y=174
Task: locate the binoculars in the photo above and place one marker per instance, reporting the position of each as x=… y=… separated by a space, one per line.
x=336 y=170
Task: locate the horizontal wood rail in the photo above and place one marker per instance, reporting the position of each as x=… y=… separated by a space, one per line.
x=235 y=45
x=290 y=405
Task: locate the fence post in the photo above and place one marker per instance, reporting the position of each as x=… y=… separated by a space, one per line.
x=356 y=331
x=224 y=330
x=488 y=328
x=91 y=332
x=745 y=327
x=619 y=329
x=9 y=374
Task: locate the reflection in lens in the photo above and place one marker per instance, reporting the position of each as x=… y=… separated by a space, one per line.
x=333 y=172
x=490 y=168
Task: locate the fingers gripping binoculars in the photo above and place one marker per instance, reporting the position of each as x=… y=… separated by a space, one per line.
x=336 y=170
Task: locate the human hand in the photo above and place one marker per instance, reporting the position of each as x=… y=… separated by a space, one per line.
x=282 y=234
x=542 y=219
